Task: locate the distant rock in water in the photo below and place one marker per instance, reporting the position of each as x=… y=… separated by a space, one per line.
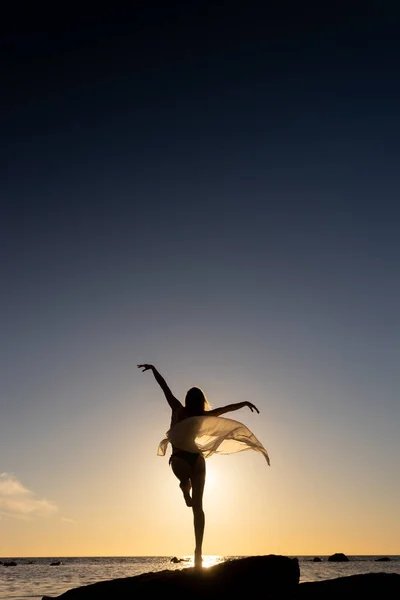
x=175 y=559
x=338 y=557
x=383 y=559
x=9 y=563
x=56 y=563
x=317 y=559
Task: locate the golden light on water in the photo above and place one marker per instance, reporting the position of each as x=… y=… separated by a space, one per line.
x=209 y=560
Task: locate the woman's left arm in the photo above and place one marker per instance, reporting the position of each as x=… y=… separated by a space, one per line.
x=172 y=401
x=216 y=412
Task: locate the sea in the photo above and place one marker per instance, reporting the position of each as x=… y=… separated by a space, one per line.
x=37 y=577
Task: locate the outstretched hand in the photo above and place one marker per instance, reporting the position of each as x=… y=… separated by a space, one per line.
x=145 y=367
x=252 y=407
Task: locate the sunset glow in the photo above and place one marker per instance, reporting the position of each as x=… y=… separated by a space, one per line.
x=226 y=207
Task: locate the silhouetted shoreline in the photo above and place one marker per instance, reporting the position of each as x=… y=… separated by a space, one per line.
x=275 y=577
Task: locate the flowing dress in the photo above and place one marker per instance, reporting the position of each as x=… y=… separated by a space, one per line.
x=209 y=435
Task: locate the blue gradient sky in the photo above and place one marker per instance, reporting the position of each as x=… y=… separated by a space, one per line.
x=216 y=193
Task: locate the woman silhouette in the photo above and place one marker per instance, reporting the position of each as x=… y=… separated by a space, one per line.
x=196 y=432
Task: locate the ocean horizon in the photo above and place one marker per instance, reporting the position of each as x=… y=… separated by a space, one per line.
x=35 y=577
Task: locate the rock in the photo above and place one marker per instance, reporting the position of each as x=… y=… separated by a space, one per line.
x=338 y=557
x=382 y=586
x=9 y=563
x=56 y=563
x=175 y=559
x=383 y=559
x=317 y=559
x=230 y=579
x=271 y=577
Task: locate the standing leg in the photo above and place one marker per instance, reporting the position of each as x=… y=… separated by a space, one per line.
x=198 y=482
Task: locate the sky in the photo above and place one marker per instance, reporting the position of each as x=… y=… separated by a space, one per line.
x=213 y=190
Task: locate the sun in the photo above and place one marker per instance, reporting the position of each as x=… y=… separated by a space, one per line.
x=211 y=476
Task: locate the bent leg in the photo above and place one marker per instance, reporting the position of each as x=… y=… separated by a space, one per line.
x=182 y=470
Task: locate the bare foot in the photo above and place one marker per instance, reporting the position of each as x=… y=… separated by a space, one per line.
x=198 y=561
x=186 y=487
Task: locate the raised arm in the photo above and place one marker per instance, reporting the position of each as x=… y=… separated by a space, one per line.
x=216 y=412
x=172 y=401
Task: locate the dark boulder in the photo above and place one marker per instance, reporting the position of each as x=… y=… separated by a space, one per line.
x=381 y=586
x=338 y=557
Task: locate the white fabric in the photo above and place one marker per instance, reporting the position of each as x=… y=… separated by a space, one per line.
x=208 y=435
